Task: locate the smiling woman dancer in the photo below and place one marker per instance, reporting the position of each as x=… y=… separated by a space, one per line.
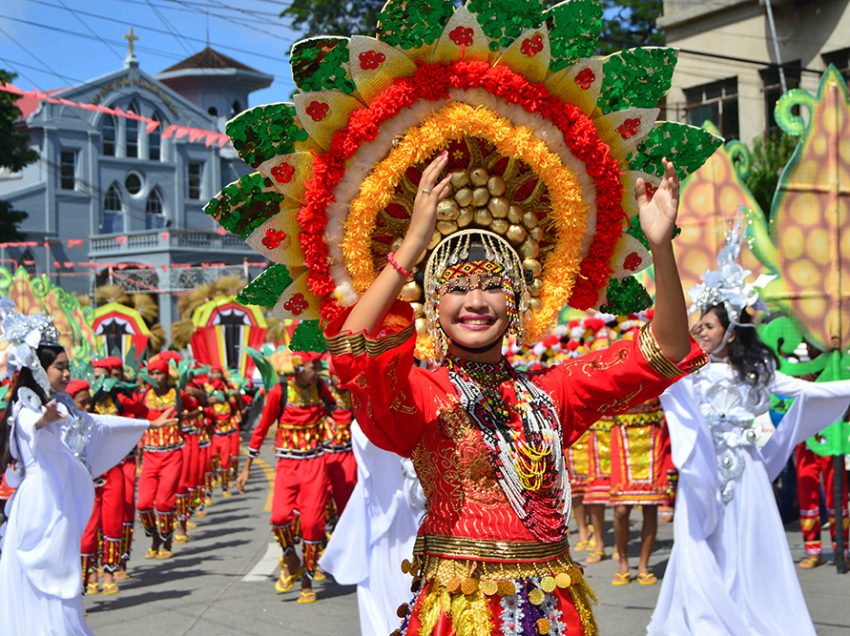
x=488 y=442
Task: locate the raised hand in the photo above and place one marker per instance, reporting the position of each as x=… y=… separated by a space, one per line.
x=658 y=215
x=431 y=191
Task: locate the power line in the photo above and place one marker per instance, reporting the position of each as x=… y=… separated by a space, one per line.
x=34 y=56
x=125 y=23
x=90 y=30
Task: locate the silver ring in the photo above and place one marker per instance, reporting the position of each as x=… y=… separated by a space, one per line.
x=426 y=190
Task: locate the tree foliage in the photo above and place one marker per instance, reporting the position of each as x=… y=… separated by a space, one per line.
x=628 y=23
x=15 y=153
x=770 y=153
x=334 y=17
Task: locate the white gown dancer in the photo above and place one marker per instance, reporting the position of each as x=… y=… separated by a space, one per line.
x=375 y=534
x=731 y=571
x=40 y=569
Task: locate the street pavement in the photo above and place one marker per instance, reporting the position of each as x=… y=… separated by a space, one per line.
x=222 y=584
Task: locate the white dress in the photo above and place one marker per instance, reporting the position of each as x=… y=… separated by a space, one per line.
x=40 y=569
x=375 y=534
x=730 y=571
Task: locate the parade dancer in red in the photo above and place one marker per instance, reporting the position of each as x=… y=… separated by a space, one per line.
x=224 y=412
x=339 y=458
x=121 y=401
x=812 y=471
x=299 y=406
x=105 y=526
x=162 y=461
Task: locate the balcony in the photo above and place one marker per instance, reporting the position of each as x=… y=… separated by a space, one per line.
x=166 y=240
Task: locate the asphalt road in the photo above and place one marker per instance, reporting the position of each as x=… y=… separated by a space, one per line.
x=222 y=583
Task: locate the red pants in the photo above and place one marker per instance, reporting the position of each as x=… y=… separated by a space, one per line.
x=235 y=441
x=221 y=445
x=107 y=518
x=342 y=474
x=190 y=461
x=301 y=484
x=204 y=465
x=812 y=471
x=128 y=469
x=160 y=480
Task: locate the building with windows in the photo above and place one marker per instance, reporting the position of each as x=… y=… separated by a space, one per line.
x=112 y=197
x=730 y=57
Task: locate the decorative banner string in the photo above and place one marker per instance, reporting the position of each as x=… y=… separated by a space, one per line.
x=173 y=130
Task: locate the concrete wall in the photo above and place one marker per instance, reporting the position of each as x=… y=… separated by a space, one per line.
x=739 y=28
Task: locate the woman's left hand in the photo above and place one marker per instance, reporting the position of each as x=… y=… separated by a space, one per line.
x=658 y=215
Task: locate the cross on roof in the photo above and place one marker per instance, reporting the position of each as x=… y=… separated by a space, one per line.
x=130 y=40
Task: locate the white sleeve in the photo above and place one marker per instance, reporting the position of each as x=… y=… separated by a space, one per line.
x=112 y=439
x=818 y=405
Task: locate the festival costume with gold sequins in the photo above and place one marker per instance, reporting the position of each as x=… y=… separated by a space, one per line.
x=640 y=457
x=162 y=463
x=339 y=458
x=301 y=480
x=492 y=555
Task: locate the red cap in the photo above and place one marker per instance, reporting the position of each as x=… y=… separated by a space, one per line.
x=307 y=356
x=158 y=363
x=113 y=362
x=169 y=355
x=75 y=386
x=101 y=364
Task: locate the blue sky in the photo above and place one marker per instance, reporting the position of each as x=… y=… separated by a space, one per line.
x=85 y=38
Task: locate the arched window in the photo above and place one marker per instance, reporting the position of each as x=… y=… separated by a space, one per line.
x=155 y=140
x=212 y=110
x=132 y=133
x=235 y=108
x=111 y=220
x=154 y=211
x=107 y=133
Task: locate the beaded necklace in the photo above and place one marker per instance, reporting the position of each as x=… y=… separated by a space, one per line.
x=529 y=464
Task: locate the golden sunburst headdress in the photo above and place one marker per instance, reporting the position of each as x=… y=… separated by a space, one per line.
x=545 y=144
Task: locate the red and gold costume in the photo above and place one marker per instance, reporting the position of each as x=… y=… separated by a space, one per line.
x=578 y=465
x=162 y=462
x=598 y=487
x=225 y=432
x=339 y=458
x=301 y=480
x=492 y=549
x=812 y=470
x=116 y=496
x=640 y=456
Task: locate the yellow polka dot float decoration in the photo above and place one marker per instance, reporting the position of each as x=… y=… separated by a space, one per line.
x=551 y=167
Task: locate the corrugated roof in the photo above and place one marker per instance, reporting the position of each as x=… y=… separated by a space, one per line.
x=209 y=58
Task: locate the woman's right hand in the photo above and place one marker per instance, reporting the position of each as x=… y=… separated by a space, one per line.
x=423 y=220
x=51 y=414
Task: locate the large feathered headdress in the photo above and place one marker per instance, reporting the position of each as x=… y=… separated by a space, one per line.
x=545 y=145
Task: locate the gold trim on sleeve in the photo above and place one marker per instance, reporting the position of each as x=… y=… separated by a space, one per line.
x=656 y=358
x=374 y=348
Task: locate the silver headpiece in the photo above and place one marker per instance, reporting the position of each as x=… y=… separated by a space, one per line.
x=24 y=335
x=727 y=285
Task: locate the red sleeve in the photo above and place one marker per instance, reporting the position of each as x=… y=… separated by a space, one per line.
x=378 y=369
x=133 y=407
x=612 y=380
x=271 y=413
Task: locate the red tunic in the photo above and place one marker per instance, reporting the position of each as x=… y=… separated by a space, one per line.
x=168 y=437
x=417 y=413
x=300 y=422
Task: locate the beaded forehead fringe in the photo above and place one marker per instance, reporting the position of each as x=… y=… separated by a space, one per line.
x=454 y=249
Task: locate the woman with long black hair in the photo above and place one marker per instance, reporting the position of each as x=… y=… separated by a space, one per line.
x=50 y=451
x=731 y=571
